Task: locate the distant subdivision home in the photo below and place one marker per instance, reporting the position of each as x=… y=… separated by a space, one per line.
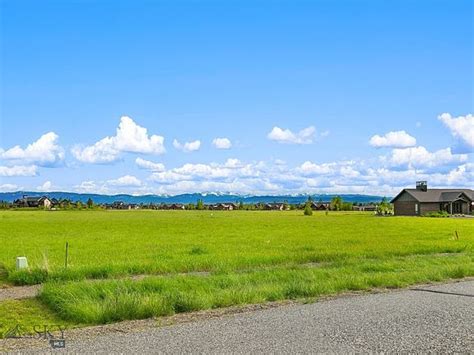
x=35 y=201
x=368 y=207
x=223 y=207
x=421 y=200
x=274 y=207
x=320 y=206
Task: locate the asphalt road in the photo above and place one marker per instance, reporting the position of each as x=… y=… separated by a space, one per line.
x=435 y=319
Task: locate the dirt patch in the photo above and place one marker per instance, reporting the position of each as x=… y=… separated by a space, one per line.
x=19 y=292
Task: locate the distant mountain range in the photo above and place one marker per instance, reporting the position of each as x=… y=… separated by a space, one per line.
x=207 y=198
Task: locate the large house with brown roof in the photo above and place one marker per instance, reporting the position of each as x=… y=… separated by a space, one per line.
x=35 y=201
x=417 y=202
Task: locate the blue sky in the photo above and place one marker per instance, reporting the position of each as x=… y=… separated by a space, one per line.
x=305 y=96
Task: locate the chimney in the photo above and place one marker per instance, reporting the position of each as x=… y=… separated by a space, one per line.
x=422 y=185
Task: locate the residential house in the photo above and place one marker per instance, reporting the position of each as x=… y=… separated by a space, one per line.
x=223 y=207
x=33 y=201
x=176 y=206
x=421 y=200
x=119 y=205
x=275 y=207
x=320 y=206
x=369 y=207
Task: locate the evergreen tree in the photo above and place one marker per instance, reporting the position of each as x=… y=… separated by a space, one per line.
x=199 y=205
x=90 y=203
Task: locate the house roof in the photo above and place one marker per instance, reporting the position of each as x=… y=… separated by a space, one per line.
x=452 y=196
x=34 y=198
x=437 y=195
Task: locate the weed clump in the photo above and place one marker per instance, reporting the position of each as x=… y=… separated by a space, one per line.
x=197 y=251
x=28 y=277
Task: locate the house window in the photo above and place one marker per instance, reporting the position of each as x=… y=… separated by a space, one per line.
x=416 y=208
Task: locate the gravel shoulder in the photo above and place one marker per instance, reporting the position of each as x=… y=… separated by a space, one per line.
x=18 y=292
x=429 y=318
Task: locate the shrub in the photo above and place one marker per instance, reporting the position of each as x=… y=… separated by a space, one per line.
x=346 y=206
x=438 y=214
x=307 y=210
x=384 y=208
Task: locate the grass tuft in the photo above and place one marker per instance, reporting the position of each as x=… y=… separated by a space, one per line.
x=197 y=251
x=28 y=277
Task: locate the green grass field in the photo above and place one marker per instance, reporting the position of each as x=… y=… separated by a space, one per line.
x=243 y=257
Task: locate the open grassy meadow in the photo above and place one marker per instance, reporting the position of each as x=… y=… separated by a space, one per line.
x=196 y=260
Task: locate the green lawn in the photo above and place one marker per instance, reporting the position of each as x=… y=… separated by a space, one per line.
x=251 y=256
x=28 y=316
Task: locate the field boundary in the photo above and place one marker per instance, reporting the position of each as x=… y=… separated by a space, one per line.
x=31 y=291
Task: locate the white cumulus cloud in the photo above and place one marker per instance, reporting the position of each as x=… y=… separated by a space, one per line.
x=19 y=170
x=305 y=136
x=420 y=157
x=43 y=152
x=149 y=165
x=125 y=181
x=188 y=146
x=222 y=143
x=130 y=137
x=46 y=186
x=396 y=139
x=230 y=170
x=310 y=168
x=9 y=188
x=461 y=127
x=233 y=163
x=101 y=152
x=87 y=186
